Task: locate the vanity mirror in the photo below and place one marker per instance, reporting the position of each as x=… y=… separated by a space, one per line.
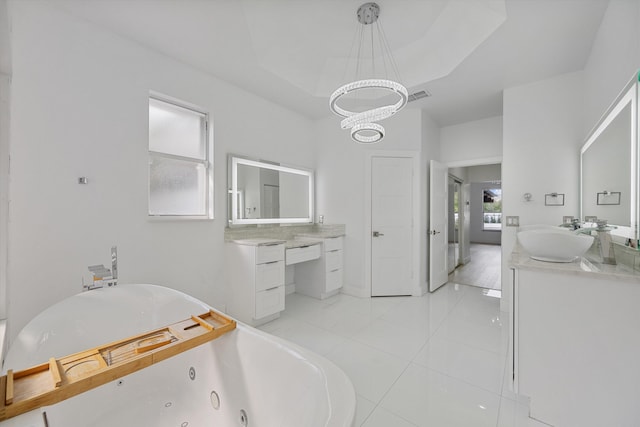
x=608 y=164
x=262 y=192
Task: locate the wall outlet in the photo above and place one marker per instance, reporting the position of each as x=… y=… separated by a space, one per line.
x=513 y=221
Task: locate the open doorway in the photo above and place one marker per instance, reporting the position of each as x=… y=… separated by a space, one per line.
x=479 y=251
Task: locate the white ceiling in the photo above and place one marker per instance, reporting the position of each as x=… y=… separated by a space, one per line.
x=464 y=52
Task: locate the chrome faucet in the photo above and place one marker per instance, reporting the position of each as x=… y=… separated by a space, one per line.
x=574 y=224
x=603 y=241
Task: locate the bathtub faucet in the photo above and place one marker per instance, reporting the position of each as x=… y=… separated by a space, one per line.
x=102 y=276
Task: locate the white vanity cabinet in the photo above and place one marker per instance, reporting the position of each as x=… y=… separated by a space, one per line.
x=576 y=347
x=323 y=277
x=255 y=273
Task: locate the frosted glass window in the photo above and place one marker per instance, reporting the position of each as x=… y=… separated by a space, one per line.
x=176 y=187
x=176 y=130
x=180 y=172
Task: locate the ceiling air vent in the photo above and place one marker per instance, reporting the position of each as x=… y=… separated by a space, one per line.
x=418 y=95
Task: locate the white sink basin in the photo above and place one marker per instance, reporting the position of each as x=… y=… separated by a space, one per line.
x=554 y=244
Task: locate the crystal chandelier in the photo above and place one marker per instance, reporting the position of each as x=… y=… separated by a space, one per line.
x=364 y=130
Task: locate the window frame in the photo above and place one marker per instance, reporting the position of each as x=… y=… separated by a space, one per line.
x=207 y=162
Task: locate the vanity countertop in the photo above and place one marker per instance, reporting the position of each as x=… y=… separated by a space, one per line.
x=320 y=235
x=581 y=266
x=322 y=231
x=285 y=233
x=258 y=242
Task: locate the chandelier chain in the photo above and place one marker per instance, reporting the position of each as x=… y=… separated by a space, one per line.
x=387 y=48
x=381 y=43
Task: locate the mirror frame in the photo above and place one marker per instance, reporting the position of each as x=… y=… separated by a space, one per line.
x=233 y=163
x=628 y=96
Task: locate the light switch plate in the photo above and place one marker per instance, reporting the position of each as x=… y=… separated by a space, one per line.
x=513 y=221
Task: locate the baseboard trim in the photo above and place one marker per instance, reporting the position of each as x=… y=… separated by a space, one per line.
x=355 y=291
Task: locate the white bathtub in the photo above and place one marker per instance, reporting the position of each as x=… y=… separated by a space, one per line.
x=259 y=379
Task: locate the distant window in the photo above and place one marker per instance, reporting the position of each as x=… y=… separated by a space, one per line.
x=492 y=209
x=180 y=167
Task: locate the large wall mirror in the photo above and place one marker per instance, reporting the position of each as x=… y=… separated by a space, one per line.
x=609 y=162
x=263 y=192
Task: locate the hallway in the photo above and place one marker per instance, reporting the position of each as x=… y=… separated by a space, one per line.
x=484 y=269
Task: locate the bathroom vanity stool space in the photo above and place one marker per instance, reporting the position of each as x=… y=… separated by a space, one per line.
x=255 y=273
x=323 y=277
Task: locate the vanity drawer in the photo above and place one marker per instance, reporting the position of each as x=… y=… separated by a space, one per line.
x=332 y=244
x=296 y=255
x=334 y=280
x=334 y=260
x=269 y=275
x=269 y=302
x=269 y=253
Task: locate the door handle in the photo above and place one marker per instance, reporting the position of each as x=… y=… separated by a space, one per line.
x=434 y=232
x=377 y=234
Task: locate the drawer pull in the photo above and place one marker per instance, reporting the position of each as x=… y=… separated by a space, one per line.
x=272 y=262
x=270 y=289
x=272 y=244
x=333 y=271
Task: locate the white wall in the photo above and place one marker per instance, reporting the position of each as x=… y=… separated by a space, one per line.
x=614 y=58
x=79 y=108
x=5 y=77
x=342 y=182
x=484 y=173
x=4 y=191
x=460 y=173
x=472 y=142
x=542 y=135
x=5 y=47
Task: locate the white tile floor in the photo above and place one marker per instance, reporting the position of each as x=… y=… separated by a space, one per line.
x=437 y=360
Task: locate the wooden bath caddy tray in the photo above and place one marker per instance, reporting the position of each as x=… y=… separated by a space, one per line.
x=68 y=376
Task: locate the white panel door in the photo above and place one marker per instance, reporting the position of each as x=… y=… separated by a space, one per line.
x=391 y=226
x=438 y=215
